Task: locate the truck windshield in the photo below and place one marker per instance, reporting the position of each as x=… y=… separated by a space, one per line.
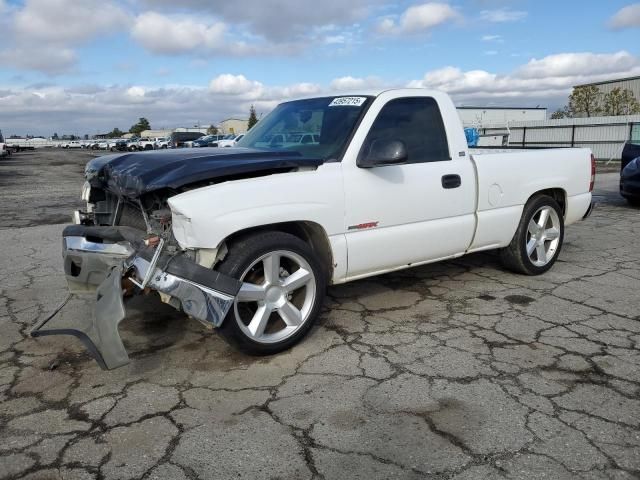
x=329 y=120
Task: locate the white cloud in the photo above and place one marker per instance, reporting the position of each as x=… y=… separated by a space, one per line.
x=352 y=83
x=50 y=59
x=43 y=107
x=240 y=87
x=419 y=18
x=583 y=64
x=627 y=17
x=548 y=78
x=136 y=91
x=228 y=84
x=281 y=21
x=185 y=34
x=502 y=15
x=163 y=34
x=490 y=52
x=67 y=21
x=304 y=89
x=43 y=34
x=333 y=39
x=491 y=38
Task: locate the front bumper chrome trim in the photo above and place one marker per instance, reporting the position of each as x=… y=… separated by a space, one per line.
x=81 y=244
x=201 y=302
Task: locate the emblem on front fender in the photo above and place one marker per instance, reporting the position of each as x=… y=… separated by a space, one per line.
x=362 y=226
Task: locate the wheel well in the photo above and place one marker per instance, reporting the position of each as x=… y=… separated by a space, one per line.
x=309 y=232
x=558 y=194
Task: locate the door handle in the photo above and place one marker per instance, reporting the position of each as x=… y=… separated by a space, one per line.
x=451 y=181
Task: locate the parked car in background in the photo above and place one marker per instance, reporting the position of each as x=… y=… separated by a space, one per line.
x=206 y=141
x=215 y=139
x=162 y=142
x=630 y=173
x=132 y=144
x=178 y=139
x=230 y=140
x=147 y=144
x=3 y=147
x=119 y=145
x=199 y=142
x=72 y=144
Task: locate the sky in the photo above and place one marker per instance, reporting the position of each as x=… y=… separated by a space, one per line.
x=87 y=66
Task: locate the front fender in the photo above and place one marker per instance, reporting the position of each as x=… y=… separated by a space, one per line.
x=204 y=217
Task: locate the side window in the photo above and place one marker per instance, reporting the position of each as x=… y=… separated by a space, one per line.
x=417 y=122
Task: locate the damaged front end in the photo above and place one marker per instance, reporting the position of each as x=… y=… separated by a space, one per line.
x=107 y=264
x=123 y=243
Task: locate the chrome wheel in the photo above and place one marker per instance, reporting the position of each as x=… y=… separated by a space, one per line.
x=276 y=298
x=543 y=236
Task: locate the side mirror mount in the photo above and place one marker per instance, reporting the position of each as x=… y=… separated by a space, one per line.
x=384 y=152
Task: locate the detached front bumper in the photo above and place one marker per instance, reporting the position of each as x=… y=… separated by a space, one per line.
x=102 y=263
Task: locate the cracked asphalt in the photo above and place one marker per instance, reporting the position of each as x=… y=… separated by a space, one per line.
x=453 y=370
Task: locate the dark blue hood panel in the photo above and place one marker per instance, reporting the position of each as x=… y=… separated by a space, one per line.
x=134 y=174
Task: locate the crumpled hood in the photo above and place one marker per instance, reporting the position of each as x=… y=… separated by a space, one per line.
x=134 y=174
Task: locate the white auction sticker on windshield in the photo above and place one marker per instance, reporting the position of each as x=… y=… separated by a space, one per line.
x=347 y=101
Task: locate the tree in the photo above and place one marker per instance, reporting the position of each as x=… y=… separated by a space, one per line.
x=563 y=112
x=620 y=102
x=585 y=101
x=142 y=125
x=253 y=118
x=115 y=133
x=55 y=136
x=212 y=130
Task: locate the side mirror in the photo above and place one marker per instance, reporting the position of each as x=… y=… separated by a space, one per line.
x=384 y=152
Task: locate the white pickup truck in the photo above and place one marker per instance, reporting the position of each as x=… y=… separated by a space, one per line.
x=247 y=238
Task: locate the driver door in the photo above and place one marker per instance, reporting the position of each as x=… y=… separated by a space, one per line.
x=415 y=212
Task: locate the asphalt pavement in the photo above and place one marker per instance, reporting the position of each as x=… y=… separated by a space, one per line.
x=452 y=370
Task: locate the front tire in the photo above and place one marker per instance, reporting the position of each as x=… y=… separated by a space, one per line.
x=538 y=240
x=283 y=287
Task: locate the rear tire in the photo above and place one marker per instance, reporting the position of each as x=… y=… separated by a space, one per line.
x=538 y=240
x=282 y=294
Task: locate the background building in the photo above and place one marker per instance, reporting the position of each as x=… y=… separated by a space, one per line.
x=233 y=125
x=605 y=136
x=202 y=129
x=155 y=133
x=630 y=83
x=481 y=116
